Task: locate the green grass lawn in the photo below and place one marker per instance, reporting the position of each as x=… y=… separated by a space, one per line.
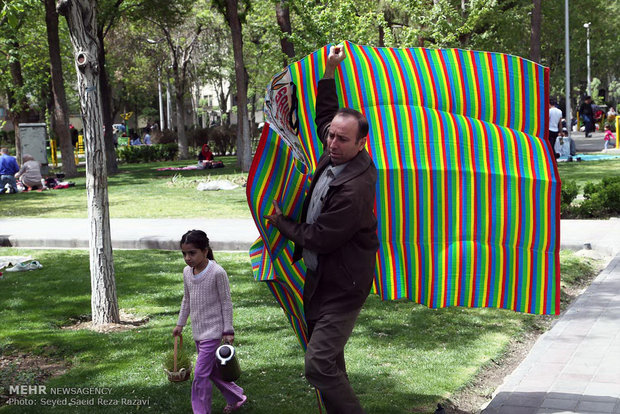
x=140 y=191
x=589 y=171
x=402 y=357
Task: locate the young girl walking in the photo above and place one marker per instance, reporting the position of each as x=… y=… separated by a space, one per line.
x=207 y=301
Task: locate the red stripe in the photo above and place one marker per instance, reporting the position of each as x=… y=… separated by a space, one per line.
x=402 y=168
x=390 y=210
x=447 y=79
x=522 y=85
x=530 y=273
x=493 y=89
x=485 y=134
x=506 y=224
x=517 y=271
x=537 y=69
x=446 y=218
x=464 y=99
x=474 y=267
x=507 y=102
x=432 y=78
x=418 y=213
x=475 y=84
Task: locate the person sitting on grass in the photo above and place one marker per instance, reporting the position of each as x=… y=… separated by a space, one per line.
x=135 y=139
x=8 y=168
x=207 y=301
x=30 y=174
x=205 y=153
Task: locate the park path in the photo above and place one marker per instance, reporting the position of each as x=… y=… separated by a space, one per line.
x=575 y=366
x=165 y=234
x=231 y=234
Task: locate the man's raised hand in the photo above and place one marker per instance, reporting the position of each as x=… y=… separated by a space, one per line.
x=336 y=55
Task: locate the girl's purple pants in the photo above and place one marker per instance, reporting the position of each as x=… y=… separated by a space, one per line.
x=206 y=371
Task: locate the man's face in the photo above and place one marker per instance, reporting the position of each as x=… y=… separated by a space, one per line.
x=341 y=139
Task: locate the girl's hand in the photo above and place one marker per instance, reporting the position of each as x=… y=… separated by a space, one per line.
x=177 y=330
x=228 y=339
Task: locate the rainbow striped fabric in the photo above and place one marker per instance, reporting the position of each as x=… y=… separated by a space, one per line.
x=468 y=190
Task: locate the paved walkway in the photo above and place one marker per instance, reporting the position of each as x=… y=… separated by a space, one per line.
x=224 y=234
x=573 y=368
x=230 y=234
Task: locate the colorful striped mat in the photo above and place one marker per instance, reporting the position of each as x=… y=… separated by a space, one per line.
x=468 y=191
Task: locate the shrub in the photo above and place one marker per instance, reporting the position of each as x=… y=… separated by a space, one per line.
x=168 y=152
x=601 y=200
x=570 y=189
x=7 y=138
x=147 y=153
x=569 y=192
x=197 y=137
x=223 y=139
x=167 y=136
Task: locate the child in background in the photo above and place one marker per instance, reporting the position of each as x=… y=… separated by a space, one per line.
x=608 y=135
x=206 y=300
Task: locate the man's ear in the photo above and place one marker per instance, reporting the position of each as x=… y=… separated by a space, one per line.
x=362 y=143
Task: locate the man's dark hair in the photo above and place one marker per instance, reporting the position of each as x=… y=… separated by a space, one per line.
x=552 y=101
x=587 y=97
x=362 y=122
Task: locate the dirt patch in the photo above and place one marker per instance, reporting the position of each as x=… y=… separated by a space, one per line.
x=128 y=321
x=26 y=369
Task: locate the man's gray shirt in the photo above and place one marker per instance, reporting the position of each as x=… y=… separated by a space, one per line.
x=316 y=203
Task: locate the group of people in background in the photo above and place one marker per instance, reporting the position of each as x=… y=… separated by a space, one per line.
x=589 y=114
x=29 y=175
x=146 y=137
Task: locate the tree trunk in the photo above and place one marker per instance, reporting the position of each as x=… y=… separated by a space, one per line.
x=106 y=108
x=179 y=86
x=18 y=104
x=244 y=155
x=60 y=112
x=80 y=15
x=536 y=27
x=284 y=21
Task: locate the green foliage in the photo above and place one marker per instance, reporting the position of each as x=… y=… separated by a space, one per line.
x=7 y=138
x=601 y=199
x=570 y=190
x=183 y=360
x=147 y=153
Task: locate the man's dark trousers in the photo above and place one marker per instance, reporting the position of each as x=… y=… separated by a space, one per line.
x=325 y=366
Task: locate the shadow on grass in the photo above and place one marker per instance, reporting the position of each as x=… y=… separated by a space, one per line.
x=32 y=204
x=402 y=357
x=275 y=388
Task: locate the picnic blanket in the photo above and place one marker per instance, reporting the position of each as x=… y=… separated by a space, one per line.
x=189 y=167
